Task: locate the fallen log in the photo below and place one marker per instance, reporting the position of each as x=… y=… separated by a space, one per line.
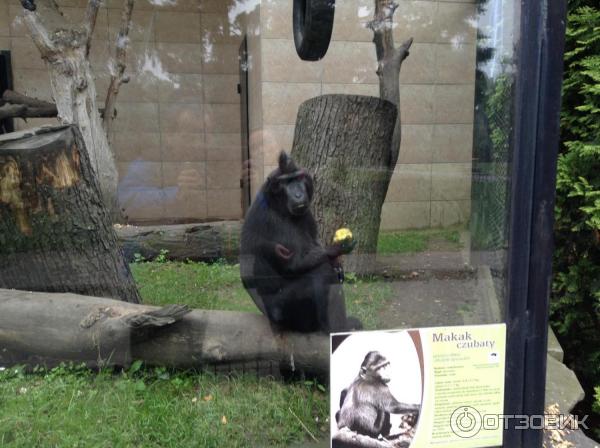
x=46 y=329
x=182 y=242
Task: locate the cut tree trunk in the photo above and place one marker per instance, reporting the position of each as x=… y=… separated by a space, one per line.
x=55 y=233
x=344 y=142
x=46 y=329
x=195 y=242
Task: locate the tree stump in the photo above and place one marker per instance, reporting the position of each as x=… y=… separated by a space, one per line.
x=344 y=141
x=55 y=232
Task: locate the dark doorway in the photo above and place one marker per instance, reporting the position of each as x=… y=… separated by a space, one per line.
x=6 y=82
x=243 y=91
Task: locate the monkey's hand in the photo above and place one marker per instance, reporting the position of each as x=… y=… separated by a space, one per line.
x=345 y=246
x=283 y=252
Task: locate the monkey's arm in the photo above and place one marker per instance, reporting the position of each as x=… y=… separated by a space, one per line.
x=394 y=406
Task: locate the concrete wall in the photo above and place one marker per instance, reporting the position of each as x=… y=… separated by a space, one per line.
x=431 y=185
x=177 y=135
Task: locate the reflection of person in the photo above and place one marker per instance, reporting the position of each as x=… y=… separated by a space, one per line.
x=366 y=405
x=134 y=190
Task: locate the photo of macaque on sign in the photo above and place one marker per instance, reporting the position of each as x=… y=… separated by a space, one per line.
x=377 y=389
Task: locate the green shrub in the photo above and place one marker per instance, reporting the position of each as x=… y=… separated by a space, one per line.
x=575 y=308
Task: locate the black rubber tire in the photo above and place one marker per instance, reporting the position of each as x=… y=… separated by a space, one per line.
x=313 y=24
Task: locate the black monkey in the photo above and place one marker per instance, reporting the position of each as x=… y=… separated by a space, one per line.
x=290 y=276
x=366 y=405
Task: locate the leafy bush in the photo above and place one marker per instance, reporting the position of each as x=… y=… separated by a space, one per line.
x=575 y=312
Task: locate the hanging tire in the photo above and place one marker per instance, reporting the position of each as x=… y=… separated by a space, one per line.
x=313 y=24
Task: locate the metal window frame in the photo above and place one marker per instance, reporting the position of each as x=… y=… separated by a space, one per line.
x=535 y=154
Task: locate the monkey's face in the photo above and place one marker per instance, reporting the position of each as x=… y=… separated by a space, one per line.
x=384 y=372
x=297 y=195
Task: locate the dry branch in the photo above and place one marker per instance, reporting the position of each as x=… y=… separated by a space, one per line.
x=118 y=68
x=389 y=60
x=44 y=328
x=17 y=105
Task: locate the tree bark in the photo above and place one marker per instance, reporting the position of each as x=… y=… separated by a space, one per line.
x=344 y=141
x=16 y=105
x=65 y=47
x=55 y=233
x=195 y=242
x=42 y=328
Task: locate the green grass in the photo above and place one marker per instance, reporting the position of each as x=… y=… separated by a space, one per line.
x=411 y=241
x=69 y=407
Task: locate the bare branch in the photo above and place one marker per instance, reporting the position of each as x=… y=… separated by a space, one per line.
x=118 y=69
x=18 y=98
x=39 y=33
x=91 y=13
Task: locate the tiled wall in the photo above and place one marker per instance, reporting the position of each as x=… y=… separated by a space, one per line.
x=431 y=185
x=177 y=135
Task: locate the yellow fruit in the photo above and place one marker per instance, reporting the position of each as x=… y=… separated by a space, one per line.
x=341 y=235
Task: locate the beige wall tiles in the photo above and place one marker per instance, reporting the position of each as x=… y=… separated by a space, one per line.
x=182 y=147
x=222 y=175
x=419 y=67
x=223 y=146
x=178 y=27
x=416 y=144
x=185 y=205
x=222 y=118
x=221 y=89
x=281 y=101
x=275 y=19
x=282 y=64
x=76 y=16
x=220 y=59
x=4 y=43
x=35 y=83
x=100 y=55
x=183 y=88
x=350 y=62
x=416 y=19
x=220 y=6
x=454 y=64
x=275 y=139
x=224 y=204
x=137 y=175
x=181 y=117
x=405 y=215
x=352 y=89
x=144 y=146
x=25 y=54
x=11 y=19
x=216 y=28
x=178 y=57
x=457 y=22
x=453 y=143
x=417 y=104
x=410 y=183
x=350 y=22
x=162 y=5
x=450 y=181
x=454 y=103
x=139 y=117
x=450 y=213
x=143 y=25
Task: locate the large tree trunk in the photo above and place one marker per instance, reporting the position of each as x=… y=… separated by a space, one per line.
x=344 y=141
x=181 y=242
x=55 y=233
x=321 y=142
x=41 y=328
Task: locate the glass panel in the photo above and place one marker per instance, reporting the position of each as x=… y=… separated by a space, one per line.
x=212 y=92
